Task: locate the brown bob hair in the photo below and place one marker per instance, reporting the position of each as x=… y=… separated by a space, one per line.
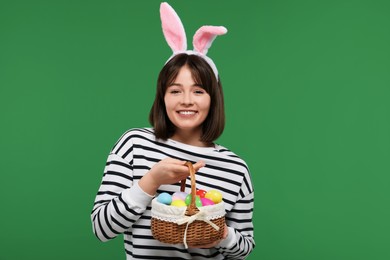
x=202 y=73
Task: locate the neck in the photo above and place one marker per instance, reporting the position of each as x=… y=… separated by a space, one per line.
x=190 y=138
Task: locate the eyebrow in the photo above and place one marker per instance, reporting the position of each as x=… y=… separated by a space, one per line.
x=174 y=84
x=180 y=85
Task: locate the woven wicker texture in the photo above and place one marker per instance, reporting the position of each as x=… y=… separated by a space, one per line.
x=198 y=232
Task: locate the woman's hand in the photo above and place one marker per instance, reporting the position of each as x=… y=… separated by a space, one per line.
x=166 y=171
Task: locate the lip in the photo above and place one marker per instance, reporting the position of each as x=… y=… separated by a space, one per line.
x=187 y=113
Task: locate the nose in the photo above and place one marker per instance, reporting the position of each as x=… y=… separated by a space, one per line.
x=187 y=98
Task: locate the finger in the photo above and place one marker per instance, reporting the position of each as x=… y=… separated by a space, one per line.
x=179 y=169
x=199 y=165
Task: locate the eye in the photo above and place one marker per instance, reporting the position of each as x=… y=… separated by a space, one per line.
x=174 y=91
x=199 y=91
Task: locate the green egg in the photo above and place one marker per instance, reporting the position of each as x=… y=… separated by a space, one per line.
x=198 y=202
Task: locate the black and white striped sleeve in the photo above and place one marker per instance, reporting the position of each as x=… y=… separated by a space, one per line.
x=240 y=241
x=118 y=203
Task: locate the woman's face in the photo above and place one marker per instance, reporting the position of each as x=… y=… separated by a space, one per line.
x=187 y=103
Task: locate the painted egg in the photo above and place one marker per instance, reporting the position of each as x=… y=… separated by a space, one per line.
x=206 y=202
x=201 y=193
x=198 y=203
x=178 y=203
x=164 y=198
x=214 y=195
x=179 y=195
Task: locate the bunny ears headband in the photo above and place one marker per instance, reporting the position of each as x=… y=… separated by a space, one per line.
x=175 y=36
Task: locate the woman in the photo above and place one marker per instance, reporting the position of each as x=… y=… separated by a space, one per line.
x=187 y=117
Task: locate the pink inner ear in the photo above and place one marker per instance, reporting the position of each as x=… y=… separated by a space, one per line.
x=173 y=28
x=205 y=36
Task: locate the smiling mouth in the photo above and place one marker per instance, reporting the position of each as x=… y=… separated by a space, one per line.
x=187 y=112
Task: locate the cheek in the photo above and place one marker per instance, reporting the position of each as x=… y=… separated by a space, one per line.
x=206 y=104
x=167 y=103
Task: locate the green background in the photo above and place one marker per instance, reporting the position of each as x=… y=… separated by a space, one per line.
x=307 y=102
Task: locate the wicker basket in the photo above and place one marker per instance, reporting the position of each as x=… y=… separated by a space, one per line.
x=190 y=225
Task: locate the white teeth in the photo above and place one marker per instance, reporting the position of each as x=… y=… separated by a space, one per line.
x=187 y=112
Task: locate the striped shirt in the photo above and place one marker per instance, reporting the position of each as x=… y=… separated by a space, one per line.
x=122 y=207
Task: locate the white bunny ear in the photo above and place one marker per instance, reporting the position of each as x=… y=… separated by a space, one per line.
x=205 y=36
x=172 y=28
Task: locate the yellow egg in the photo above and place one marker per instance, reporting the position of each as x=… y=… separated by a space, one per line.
x=214 y=195
x=178 y=203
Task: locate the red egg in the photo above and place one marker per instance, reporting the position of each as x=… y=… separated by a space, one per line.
x=201 y=193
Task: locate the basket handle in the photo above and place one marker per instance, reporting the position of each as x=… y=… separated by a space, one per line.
x=191 y=209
